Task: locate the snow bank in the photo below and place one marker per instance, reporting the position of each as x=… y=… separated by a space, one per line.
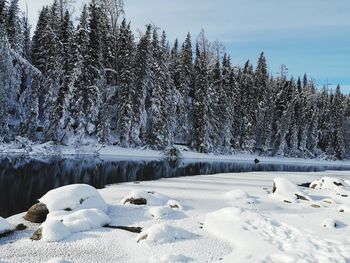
x=287 y=191
x=163 y=233
x=73 y=197
x=152 y=198
x=60 y=226
x=4 y=226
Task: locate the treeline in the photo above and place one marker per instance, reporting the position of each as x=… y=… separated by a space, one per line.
x=70 y=84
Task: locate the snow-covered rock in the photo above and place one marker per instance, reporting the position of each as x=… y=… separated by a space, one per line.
x=74 y=197
x=152 y=198
x=54 y=231
x=86 y=219
x=332 y=183
x=164 y=233
x=164 y=212
x=175 y=204
x=60 y=225
x=4 y=226
x=286 y=191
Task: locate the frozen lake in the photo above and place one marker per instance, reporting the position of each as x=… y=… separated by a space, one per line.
x=23 y=180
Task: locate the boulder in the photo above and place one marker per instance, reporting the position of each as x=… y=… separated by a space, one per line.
x=37 y=213
x=256 y=161
x=136 y=201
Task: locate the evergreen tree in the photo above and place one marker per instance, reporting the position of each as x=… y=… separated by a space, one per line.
x=125 y=82
x=139 y=89
x=200 y=98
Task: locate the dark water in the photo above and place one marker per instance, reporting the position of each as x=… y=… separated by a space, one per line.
x=23 y=180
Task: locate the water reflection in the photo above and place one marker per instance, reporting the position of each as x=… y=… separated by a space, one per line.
x=23 y=180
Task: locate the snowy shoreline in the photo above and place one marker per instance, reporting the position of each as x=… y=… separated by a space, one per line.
x=223 y=218
x=186 y=155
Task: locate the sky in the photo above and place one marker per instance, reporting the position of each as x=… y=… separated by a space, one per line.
x=311 y=36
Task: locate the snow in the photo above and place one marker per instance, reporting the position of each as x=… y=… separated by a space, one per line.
x=153 y=198
x=58 y=260
x=329 y=223
x=164 y=233
x=171 y=259
x=73 y=197
x=218 y=223
x=54 y=231
x=4 y=225
x=287 y=191
x=59 y=227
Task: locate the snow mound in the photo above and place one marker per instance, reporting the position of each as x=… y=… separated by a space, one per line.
x=74 y=197
x=54 y=231
x=286 y=191
x=4 y=226
x=174 y=204
x=329 y=223
x=58 y=260
x=164 y=212
x=171 y=259
x=235 y=195
x=86 y=219
x=152 y=198
x=163 y=233
x=331 y=183
x=59 y=226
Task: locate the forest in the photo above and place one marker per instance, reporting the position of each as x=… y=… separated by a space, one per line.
x=91 y=78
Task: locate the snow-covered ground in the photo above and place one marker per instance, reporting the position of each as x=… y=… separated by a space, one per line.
x=211 y=218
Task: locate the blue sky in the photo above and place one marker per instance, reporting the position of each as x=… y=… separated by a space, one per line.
x=310 y=36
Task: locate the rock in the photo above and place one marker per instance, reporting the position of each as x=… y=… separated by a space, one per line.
x=136 y=201
x=306 y=185
x=256 y=161
x=38 y=234
x=21 y=227
x=315 y=206
x=37 y=213
x=300 y=197
x=6 y=233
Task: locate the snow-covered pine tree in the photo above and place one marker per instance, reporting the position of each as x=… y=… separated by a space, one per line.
x=94 y=68
x=139 y=89
x=9 y=85
x=249 y=105
x=13 y=26
x=59 y=117
x=159 y=117
x=125 y=81
x=338 y=124
x=261 y=78
x=185 y=90
x=200 y=99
